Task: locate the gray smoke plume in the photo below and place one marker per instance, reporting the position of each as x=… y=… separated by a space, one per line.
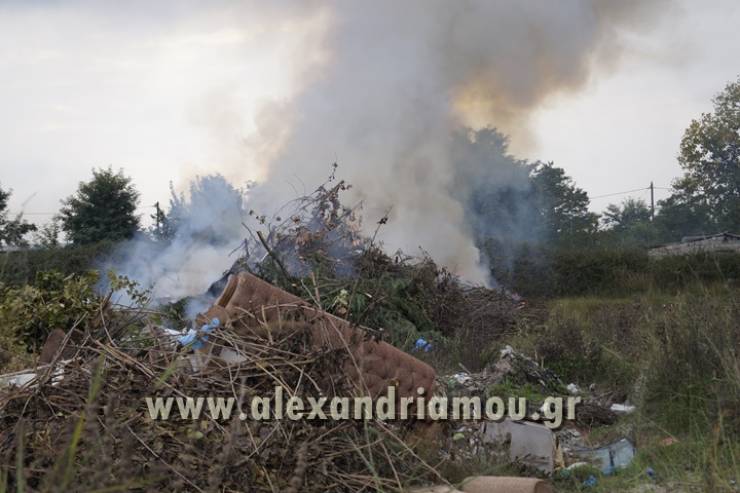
x=391 y=96
x=403 y=79
x=206 y=225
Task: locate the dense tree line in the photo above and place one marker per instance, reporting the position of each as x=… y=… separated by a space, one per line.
x=511 y=204
x=538 y=203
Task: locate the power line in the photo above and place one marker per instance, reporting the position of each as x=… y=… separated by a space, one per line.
x=628 y=191
x=619 y=193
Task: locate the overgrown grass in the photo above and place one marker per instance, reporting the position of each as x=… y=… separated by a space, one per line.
x=693 y=465
x=673 y=355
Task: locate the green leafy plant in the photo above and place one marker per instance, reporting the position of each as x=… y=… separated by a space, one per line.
x=29 y=313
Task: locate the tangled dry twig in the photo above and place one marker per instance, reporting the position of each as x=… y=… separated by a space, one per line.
x=91 y=431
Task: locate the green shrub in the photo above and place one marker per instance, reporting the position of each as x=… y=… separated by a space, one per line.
x=547 y=272
x=29 y=313
x=684 y=270
x=13 y=353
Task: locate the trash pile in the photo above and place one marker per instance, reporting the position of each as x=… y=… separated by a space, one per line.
x=91 y=430
x=533 y=447
x=314 y=247
x=294 y=313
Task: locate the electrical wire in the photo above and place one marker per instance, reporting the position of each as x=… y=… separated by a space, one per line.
x=619 y=193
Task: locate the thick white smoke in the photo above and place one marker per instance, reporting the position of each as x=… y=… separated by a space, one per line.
x=402 y=77
x=389 y=88
x=207 y=224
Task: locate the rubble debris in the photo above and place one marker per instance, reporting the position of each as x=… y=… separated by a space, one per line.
x=502 y=484
x=528 y=443
x=622 y=408
x=28 y=378
x=573 y=389
x=609 y=458
x=590 y=414
x=314 y=243
x=272 y=339
x=461 y=378
x=422 y=344
x=512 y=367
x=590 y=481
x=522 y=369
x=256 y=334
x=197 y=338
x=569 y=439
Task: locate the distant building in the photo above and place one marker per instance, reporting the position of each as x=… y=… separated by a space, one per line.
x=720 y=242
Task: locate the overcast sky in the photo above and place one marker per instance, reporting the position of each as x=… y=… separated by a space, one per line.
x=169 y=92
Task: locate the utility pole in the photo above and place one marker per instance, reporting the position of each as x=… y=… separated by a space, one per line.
x=652 y=202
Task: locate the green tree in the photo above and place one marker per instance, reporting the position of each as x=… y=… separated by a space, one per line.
x=12 y=231
x=167 y=224
x=633 y=212
x=514 y=201
x=48 y=234
x=707 y=197
x=493 y=186
x=680 y=215
x=563 y=207
x=103 y=208
x=630 y=223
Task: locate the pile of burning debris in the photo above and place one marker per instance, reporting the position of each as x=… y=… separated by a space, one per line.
x=255 y=342
x=83 y=420
x=266 y=341
x=315 y=248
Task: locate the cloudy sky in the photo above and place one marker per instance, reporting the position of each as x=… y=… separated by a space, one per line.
x=173 y=91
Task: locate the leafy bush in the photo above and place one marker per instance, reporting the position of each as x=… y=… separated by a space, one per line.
x=680 y=271
x=13 y=354
x=536 y=271
x=29 y=313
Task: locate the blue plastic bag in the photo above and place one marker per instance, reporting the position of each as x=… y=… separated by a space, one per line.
x=197 y=338
x=422 y=345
